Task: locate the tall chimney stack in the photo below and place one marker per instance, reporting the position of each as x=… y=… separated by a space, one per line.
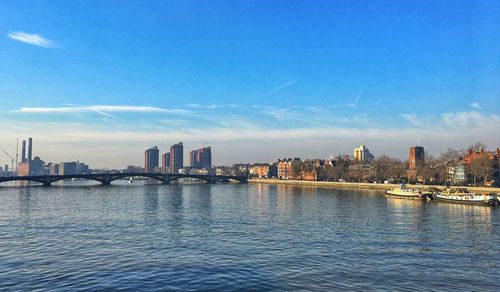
x=23 y=152
x=30 y=149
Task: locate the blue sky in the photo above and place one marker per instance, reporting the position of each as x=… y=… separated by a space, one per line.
x=102 y=80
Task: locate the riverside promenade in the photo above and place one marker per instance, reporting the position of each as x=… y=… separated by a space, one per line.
x=368 y=186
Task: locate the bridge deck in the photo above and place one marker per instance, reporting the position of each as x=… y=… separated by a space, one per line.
x=107 y=178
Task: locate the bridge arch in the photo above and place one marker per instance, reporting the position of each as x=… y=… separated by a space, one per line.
x=159 y=176
x=27 y=178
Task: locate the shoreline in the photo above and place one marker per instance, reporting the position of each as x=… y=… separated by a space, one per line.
x=366 y=186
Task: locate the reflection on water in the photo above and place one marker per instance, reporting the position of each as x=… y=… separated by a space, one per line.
x=482 y=213
x=401 y=203
x=151 y=205
x=460 y=217
x=25 y=204
x=246 y=237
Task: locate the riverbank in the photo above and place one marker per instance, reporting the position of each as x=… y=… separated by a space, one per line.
x=353 y=185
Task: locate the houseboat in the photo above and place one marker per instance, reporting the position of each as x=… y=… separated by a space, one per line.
x=463 y=196
x=410 y=193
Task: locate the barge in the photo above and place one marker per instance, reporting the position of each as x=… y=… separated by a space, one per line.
x=463 y=196
x=409 y=193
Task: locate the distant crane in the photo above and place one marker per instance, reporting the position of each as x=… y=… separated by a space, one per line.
x=12 y=161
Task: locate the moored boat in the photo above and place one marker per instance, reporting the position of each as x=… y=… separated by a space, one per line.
x=463 y=196
x=411 y=193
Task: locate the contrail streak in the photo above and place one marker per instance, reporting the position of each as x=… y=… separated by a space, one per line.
x=359 y=95
x=355 y=103
x=278 y=88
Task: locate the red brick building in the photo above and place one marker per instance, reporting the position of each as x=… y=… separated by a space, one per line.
x=416 y=160
x=286 y=168
x=472 y=154
x=260 y=170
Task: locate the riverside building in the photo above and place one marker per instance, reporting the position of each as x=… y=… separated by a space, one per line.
x=362 y=154
x=24 y=167
x=201 y=158
x=165 y=162
x=151 y=159
x=176 y=157
x=416 y=160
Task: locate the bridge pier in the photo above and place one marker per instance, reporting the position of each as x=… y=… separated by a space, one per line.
x=166 y=179
x=46 y=182
x=106 y=180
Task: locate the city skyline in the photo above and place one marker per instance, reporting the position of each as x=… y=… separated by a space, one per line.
x=156 y=159
x=271 y=80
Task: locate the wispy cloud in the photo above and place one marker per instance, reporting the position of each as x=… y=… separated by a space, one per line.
x=469 y=119
x=459 y=120
x=414 y=120
x=475 y=105
x=32 y=39
x=102 y=109
x=213 y=106
x=278 y=88
x=281 y=114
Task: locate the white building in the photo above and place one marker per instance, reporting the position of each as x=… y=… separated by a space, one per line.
x=362 y=154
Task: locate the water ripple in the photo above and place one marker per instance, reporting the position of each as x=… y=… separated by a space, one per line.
x=240 y=237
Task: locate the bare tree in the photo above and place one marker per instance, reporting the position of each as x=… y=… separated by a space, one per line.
x=448 y=158
x=327 y=172
x=388 y=168
x=398 y=170
x=356 y=172
x=435 y=168
x=430 y=168
x=341 y=169
x=477 y=146
x=132 y=168
x=451 y=155
x=481 y=168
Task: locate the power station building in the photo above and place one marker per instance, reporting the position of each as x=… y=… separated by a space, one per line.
x=24 y=167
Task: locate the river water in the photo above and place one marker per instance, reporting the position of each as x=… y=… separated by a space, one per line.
x=241 y=237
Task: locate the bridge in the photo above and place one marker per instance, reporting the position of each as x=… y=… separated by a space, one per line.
x=107 y=178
